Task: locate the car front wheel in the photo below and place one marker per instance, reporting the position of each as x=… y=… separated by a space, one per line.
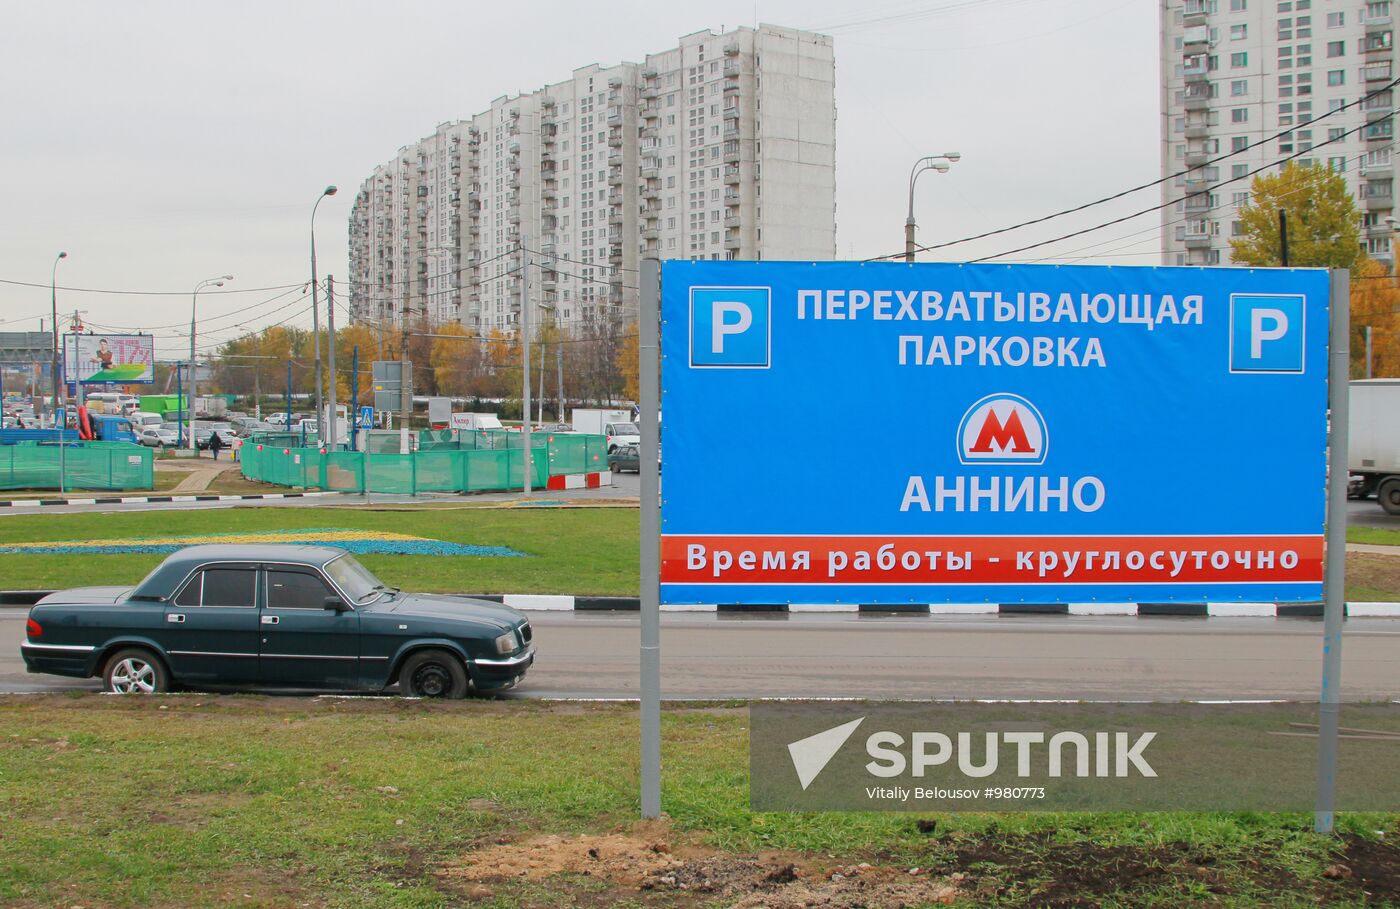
x=433 y=674
x=135 y=671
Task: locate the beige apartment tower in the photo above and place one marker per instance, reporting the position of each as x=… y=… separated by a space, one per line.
x=720 y=148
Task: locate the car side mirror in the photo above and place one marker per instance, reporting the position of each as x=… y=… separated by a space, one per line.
x=334 y=604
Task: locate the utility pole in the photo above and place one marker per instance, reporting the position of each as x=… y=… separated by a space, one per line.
x=1283 y=237
x=405 y=393
x=330 y=329
x=354 y=396
x=559 y=384
x=525 y=352
x=539 y=406
x=1368 y=351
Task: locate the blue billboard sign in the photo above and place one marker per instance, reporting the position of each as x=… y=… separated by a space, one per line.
x=882 y=433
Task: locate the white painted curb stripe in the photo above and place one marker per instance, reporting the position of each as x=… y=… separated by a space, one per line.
x=1101 y=609
x=539 y=602
x=1269 y=610
x=1374 y=610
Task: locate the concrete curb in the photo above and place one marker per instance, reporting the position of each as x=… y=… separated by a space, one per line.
x=146 y=500
x=540 y=602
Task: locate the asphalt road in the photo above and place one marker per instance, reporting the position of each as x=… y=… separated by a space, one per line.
x=594 y=655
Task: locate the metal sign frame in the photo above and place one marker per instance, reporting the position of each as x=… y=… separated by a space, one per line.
x=1334 y=583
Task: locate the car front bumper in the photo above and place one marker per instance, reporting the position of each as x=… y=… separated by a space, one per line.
x=496 y=674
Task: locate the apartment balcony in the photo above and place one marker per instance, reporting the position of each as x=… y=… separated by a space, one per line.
x=1199 y=240
x=1377 y=21
x=651 y=193
x=1195 y=69
x=651 y=212
x=731 y=156
x=649 y=132
x=732 y=242
x=1379 y=202
x=1380 y=131
x=513 y=182
x=650 y=111
x=549 y=191
x=615 y=258
x=422 y=192
x=1197 y=156
x=1197 y=130
x=732 y=113
x=1195 y=11
x=513 y=164
x=731 y=88
x=614 y=116
x=731 y=175
x=731 y=134
x=513 y=199
x=731 y=221
x=1376 y=168
x=1195 y=38
x=615 y=159
x=650 y=92
x=650 y=233
x=651 y=172
x=455 y=168
x=1376 y=44
x=454 y=197
x=1376 y=72
x=615 y=195
x=732 y=69
x=1198 y=202
x=615 y=138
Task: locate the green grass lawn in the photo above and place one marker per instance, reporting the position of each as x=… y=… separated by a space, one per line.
x=196 y=801
x=590 y=551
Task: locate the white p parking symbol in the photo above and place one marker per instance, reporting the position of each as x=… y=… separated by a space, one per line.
x=719 y=326
x=1258 y=334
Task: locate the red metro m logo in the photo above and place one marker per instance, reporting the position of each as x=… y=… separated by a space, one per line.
x=1002 y=429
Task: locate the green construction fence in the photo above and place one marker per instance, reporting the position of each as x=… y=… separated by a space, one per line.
x=86 y=465
x=445 y=461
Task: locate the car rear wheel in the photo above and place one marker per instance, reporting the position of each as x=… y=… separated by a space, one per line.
x=1388 y=494
x=433 y=674
x=135 y=671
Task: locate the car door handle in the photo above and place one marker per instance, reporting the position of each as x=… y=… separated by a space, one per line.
x=175 y=617
x=270 y=620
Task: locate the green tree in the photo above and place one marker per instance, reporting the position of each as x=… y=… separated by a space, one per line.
x=1324 y=226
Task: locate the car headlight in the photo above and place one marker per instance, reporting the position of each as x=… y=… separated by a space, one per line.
x=506 y=642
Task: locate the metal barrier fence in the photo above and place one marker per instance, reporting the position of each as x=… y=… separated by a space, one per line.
x=88 y=465
x=465 y=462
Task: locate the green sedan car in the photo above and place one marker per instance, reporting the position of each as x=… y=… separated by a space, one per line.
x=276 y=616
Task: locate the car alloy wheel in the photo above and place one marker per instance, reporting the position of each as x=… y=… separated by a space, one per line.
x=135 y=671
x=134 y=675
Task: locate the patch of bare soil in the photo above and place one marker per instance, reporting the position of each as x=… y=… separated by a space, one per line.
x=1370 y=867
x=655 y=864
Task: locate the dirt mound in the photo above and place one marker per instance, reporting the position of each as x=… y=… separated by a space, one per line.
x=654 y=864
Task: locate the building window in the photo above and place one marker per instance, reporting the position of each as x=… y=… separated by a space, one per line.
x=1238 y=171
x=1239 y=115
x=1239 y=143
x=1336 y=77
x=1239 y=32
x=1336 y=48
x=1238 y=6
x=1239 y=88
x=1336 y=20
x=1239 y=60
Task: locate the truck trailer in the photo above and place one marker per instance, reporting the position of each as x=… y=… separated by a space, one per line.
x=1373 y=454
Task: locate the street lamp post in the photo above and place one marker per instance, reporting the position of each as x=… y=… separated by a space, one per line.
x=931 y=162
x=62 y=426
x=315 y=312
x=194 y=302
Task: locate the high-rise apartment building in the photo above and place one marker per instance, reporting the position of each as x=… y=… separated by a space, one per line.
x=1236 y=73
x=721 y=148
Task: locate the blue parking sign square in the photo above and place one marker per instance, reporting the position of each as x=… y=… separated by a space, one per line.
x=729 y=327
x=1267 y=333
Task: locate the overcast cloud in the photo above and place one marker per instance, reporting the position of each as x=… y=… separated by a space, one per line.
x=160 y=143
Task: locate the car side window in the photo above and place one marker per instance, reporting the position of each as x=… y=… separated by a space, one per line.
x=230 y=587
x=295 y=590
x=189 y=594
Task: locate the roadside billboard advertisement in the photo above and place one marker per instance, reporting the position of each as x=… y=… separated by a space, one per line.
x=881 y=433
x=121 y=359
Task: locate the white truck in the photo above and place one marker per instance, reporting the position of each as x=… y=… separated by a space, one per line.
x=1373 y=450
x=617 y=425
x=472 y=422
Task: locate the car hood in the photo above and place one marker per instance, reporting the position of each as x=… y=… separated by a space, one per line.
x=87 y=595
x=443 y=606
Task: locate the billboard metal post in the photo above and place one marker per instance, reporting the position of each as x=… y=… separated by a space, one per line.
x=650 y=393
x=1334 y=581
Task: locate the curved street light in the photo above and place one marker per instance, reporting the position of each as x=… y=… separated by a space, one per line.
x=939 y=163
x=316 y=327
x=207 y=282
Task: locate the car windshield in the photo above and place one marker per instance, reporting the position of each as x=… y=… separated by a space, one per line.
x=625 y=429
x=355 y=579
x=170 y=427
